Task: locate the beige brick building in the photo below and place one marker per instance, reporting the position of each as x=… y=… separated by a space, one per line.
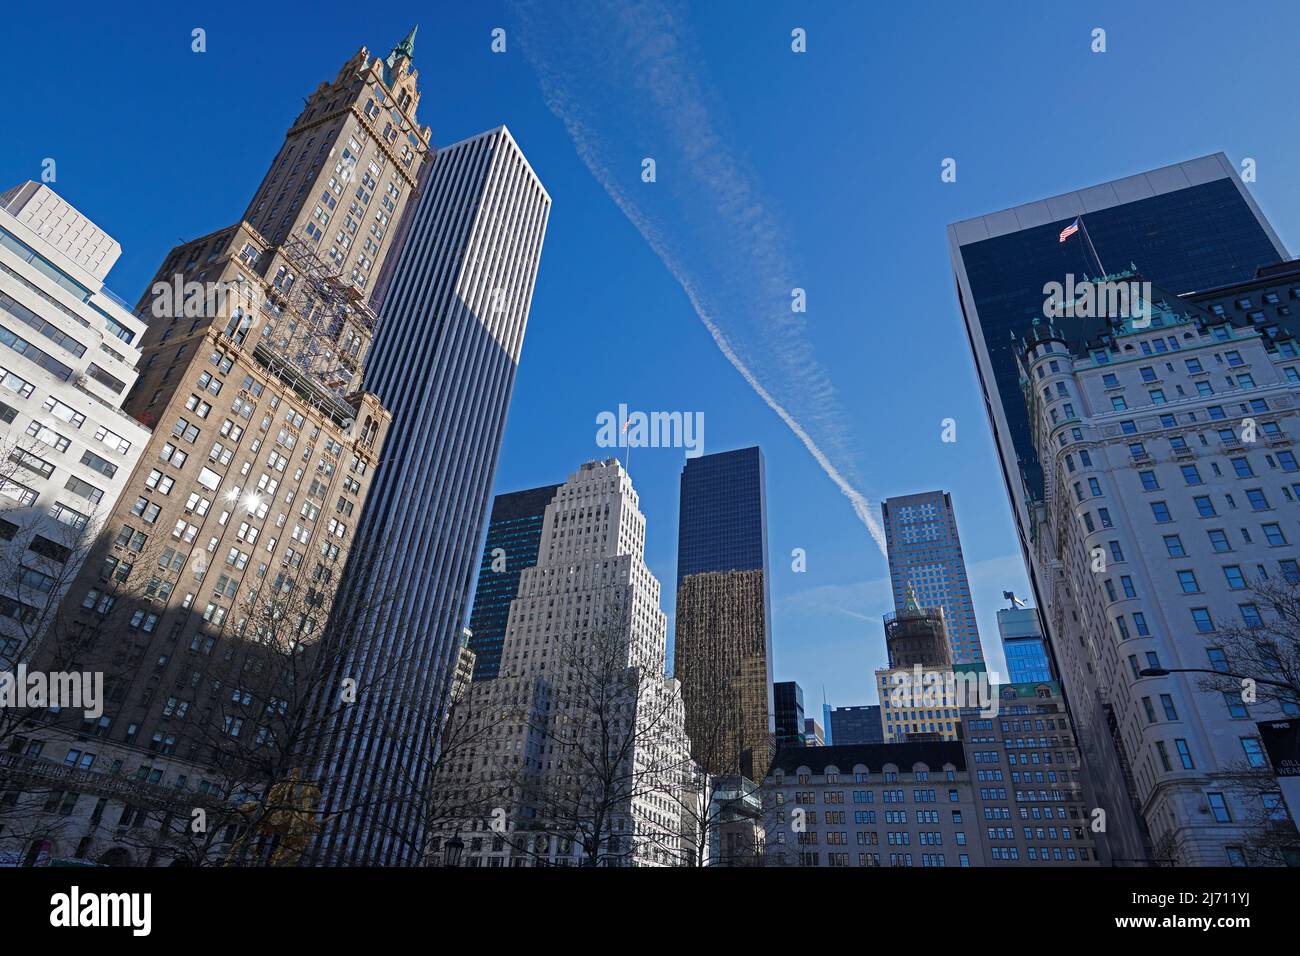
x=207 y=604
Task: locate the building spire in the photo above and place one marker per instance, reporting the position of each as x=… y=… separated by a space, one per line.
x=406 y=48
x=909 y=603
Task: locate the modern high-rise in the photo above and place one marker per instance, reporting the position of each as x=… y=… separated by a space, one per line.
x=68 y=354
x=925 y=556
x=856 y=725
x=1187 y=228
x=789 y=713
x=514 y=536
x=1168 y=512
x=723 y=636
x=444 y=362
x=228 y=543
x=582 y=728
x=1023 y=645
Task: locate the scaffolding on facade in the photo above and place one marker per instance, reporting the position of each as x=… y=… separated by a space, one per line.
x=317 y=323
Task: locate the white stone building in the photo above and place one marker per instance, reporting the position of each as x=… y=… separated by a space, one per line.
x=586 y=624
x=1171 y=490
x=68 y=355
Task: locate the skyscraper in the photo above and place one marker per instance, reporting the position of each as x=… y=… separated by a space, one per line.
x=233 y=528
x=789 y=713
x=1023 y=645
x=925 y=556
x=444 y=362
x=1187 y=227
x=723 y=646
x=514 y=536
x=582 y=723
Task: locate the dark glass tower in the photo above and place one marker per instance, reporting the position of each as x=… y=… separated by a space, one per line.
x=723 y=638
x=723 y=520
x=788 y=696
x=1187 y=227
x=513 y=536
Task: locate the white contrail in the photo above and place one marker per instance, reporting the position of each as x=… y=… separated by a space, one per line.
x=648 y=30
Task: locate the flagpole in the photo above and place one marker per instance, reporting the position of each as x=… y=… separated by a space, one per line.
x=1084 y=226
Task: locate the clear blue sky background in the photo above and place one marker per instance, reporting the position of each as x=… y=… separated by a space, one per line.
x=841 y=147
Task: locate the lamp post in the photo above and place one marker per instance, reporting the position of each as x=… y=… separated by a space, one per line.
x=1166 y=671
x=452 y=850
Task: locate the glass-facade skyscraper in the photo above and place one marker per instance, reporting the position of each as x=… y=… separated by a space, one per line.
x=723 y=632
x=723 y=521
x=1022 y=642
x=925 y=557
x=1187 y=227
x=513 y=536
x=788 y=696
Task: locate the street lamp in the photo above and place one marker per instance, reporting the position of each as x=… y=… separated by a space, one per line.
x=1166 y=671
x=452 y=850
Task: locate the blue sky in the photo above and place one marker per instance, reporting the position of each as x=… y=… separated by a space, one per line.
x=774 y=170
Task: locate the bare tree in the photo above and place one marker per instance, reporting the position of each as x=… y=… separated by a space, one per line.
x=1261 y=669
x=456 y=780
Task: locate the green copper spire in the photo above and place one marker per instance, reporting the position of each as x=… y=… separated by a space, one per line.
x=406 y=48
x=909 y=603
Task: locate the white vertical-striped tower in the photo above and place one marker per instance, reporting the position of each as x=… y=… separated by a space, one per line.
x=444 y=362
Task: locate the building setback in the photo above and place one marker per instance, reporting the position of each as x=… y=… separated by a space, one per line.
x=68 y=352
x=723 y=639
x=455 y=312
x=513 y=537
x=233 y=530
x=586 y=640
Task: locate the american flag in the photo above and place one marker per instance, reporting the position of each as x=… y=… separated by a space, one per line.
x=1069 y=230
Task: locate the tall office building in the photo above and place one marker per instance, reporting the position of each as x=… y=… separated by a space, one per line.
x=925 y=556
x=1168 y=508
x=230 y=536
x=69 y=353
x=789 y=713
x=586 y=640
x=1023 y=645
x=514 y=536
x=1187 y=227
x=444 y=362
x=723 y=637
x=856 y=725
